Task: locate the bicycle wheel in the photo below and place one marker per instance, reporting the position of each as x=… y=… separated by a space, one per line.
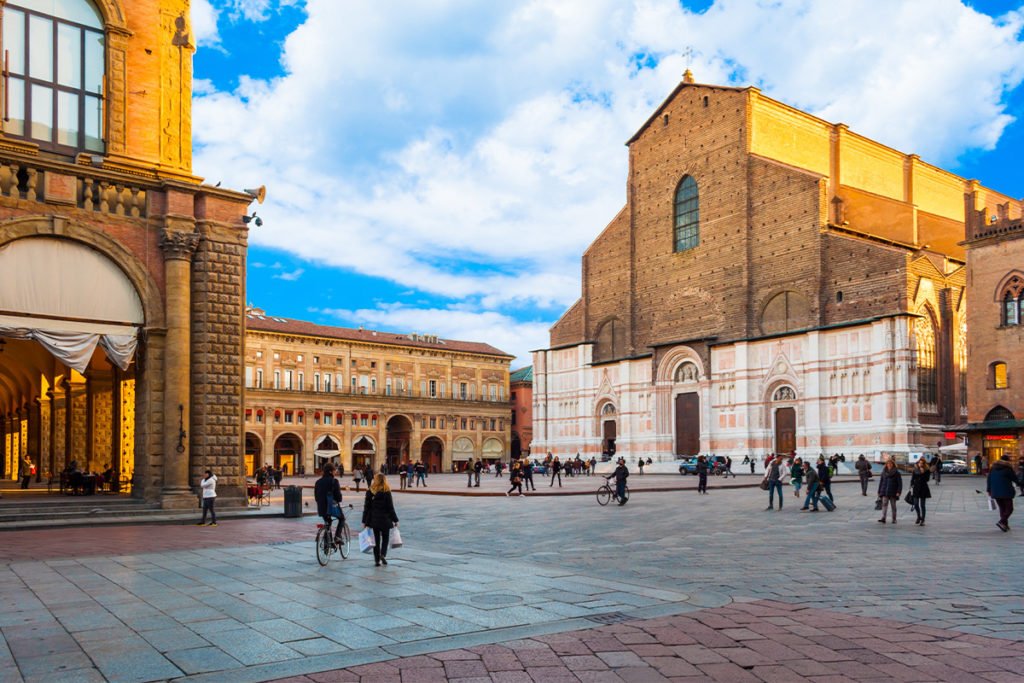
x=625 y=496
x=324 y=546
x=604 y=494
x=345 y=542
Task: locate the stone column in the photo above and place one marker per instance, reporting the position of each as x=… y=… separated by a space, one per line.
x=178 y=248
x=382 y=442
x=308 y=461
x=115 y=426
x=35 y=435
x=51 y=394
x=268 y=437
x=69 y=420
x=90 y=424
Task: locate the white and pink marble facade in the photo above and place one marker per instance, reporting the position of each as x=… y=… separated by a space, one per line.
x=852 y=390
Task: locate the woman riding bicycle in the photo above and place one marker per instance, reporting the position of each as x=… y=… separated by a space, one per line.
x=327 y=491
x=620 y=474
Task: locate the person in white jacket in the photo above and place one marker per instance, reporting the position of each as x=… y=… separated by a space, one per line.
x=209 y=487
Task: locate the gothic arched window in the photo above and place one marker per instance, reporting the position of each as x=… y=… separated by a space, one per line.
x=687 y=215
x=927 y=367
x=1012 y=301
x=55 y=53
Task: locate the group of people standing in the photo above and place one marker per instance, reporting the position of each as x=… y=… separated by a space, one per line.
x=408 y=473
x=780 y=470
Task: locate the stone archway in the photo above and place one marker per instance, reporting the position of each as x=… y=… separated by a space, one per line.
x=399 y=433
x=326 y=449
x=253 y=453
x=432 y=454
x=287 y=453
x=364 y=450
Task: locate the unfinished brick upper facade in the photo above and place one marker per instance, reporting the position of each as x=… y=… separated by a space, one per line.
x=827 y=265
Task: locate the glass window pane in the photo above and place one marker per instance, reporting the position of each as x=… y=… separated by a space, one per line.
x=40 y=58
x=67 y=118
x=93 y=128
x=69 y=55
x=79 y=11
x=14 y=39
x=42 y=113
x=16 y=107
x=94 y=65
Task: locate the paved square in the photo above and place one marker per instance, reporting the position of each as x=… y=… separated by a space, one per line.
x=672 y=585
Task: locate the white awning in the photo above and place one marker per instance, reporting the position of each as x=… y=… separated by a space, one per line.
x=70 y=299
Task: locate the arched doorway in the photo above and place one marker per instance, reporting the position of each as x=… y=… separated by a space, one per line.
x=609 y=431
x=327 y=449
x=399 y=433
x=287 y=453
x=253 y=453
x=69 y=322
x=785 y=419
x=363 y=452
x=431 y=454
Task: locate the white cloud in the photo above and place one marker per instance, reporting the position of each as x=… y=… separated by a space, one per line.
x=501 y=331
x=474 y=149
x=290 y=276
x=204 y=24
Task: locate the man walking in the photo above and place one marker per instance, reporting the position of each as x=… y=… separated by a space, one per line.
x=421 y=473
x=477 y=467
x=621 y=473
x=813 y=490
x=556 y=471
x=469 y=473
x=864 y=472
x=1000 y=488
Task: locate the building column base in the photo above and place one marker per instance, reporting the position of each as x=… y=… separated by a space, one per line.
x=179 y=498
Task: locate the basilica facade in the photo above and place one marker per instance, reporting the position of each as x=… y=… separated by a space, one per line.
x=774 y=283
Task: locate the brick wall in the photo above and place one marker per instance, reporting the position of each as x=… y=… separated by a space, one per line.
x=872 y=278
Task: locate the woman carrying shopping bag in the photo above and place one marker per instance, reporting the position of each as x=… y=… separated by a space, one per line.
x=379 y=515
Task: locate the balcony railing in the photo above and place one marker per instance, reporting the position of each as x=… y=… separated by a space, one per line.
x=310 y=391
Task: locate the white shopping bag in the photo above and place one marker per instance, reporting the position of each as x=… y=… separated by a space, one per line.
x=366 y=541
x=394 y=539
x=992 y=504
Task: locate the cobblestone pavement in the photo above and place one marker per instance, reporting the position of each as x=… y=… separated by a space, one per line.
x=484 y=571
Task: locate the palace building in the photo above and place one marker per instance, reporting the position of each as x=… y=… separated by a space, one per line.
x=774 y=283
x=995 y=317
x=361 y=397
x=121 y=275
x=521 y=395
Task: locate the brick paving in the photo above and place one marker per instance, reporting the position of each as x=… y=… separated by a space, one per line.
x=761 y=641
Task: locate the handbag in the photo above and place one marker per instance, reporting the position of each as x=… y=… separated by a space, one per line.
x=334 y=510
x=878 y=503
x=909 y=499
x=395 y=539
x=764 y=484
x=366 y=541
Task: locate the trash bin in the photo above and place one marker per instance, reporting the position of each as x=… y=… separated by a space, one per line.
x=292 y=501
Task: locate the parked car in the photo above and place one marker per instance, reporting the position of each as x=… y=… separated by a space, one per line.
x=716 y=465
x=688 y=466
x=954 y=467
x=540 y=468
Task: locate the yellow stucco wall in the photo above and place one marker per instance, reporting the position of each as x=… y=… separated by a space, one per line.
x=789 y=135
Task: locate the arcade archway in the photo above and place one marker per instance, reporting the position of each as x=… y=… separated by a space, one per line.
x=253 y=453
x=363 y=452
x=287 y=453
x=69 y=321
x=432 y=454
x=399 y=434
x=326 y=450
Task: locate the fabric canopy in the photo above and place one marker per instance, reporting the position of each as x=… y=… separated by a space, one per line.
x=70 y=299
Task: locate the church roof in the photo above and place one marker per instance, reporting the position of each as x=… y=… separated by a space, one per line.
x=522 y=375
x=269 y=323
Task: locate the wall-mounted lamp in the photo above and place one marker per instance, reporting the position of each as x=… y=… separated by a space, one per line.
x=253 y=219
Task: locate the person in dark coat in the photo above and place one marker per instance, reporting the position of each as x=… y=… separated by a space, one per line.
x=528 y=474
x=379 y=515
x=1000 y=487
x=864 y=472
x=702 y=474
x=890 y=488
x=327 y=490
x=621 y=473
x=825 y=477
x=556 y=471
x=920 y=490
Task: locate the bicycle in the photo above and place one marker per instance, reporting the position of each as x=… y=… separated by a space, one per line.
x=327 y=542
x=605 y=494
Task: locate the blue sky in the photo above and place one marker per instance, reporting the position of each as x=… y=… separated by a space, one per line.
x=440 y=167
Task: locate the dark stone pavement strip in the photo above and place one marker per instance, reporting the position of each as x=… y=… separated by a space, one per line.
x=761 y=641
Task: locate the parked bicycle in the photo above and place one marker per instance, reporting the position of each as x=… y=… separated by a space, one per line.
x=328 y=542
x=606 y=494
